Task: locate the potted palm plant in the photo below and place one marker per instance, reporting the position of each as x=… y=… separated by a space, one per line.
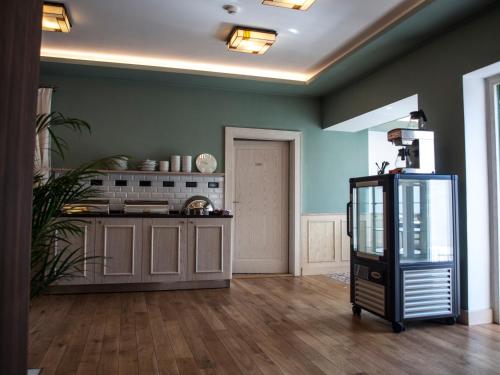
x=50 y=195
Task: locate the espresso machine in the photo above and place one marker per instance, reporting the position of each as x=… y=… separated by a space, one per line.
x=417 y=151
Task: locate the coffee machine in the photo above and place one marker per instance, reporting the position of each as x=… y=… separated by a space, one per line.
x=417 y=150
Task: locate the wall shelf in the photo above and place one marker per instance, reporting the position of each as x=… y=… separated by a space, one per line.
x=158 y=173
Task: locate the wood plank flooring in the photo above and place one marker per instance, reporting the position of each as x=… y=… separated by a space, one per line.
x=259 y=326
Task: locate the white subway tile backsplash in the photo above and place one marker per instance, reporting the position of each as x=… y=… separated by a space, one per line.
x=176 y=195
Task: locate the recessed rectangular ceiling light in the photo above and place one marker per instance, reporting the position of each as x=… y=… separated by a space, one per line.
x=256 y=41
x=291 y=4
x=55 y=18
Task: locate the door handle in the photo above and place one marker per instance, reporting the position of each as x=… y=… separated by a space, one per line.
x=236 y=202
x=349 y=219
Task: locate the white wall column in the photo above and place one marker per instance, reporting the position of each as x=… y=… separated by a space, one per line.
x=478 y=196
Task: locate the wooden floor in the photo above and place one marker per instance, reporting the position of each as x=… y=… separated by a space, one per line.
x=281 y=325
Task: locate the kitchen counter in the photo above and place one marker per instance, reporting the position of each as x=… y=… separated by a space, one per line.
x=146 y=215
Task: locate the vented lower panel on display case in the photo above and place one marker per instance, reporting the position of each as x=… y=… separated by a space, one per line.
x=427 y=292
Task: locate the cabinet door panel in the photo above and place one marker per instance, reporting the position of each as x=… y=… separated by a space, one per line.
x=119 y=243
x=209 y=249
x=164 y=250
x=83 y=244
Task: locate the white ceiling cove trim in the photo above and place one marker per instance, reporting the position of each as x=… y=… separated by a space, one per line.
x=180 y=66
x=400 y=12
x=378 y=116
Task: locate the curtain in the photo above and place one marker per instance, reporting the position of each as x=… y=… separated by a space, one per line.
x=42 y=144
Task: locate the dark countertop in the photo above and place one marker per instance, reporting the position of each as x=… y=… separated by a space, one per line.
x=147 y=215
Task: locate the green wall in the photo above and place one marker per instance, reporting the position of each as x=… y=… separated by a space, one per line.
x=147 y=119
x=434 y=72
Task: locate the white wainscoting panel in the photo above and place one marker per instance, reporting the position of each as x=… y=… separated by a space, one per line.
x=325 y=244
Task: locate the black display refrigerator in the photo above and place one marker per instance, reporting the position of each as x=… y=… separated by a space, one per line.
x=404 y=247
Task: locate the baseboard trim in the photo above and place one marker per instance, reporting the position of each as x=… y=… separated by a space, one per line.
x=476 y=317
x=138 y=287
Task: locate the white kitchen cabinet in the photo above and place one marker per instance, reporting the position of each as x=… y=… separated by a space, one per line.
x=164 y=250
x=83 y=246
x=118 y=242
x=209 y=249
x=152 y=250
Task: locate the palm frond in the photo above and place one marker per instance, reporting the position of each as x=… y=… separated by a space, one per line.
x=50 y=195
x=54 y=120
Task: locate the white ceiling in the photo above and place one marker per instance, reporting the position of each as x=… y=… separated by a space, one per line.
x=189 y=35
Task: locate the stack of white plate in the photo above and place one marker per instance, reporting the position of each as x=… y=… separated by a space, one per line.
x=147 y=165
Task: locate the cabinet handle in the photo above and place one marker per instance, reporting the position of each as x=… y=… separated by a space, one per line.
x=181 y=222
x=99 y=221
x=191 y=222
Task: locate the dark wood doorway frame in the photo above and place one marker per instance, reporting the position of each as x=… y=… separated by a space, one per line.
x=20 y=33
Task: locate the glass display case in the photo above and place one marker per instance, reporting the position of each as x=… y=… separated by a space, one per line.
x=425 y=215
x=404 y=246
x=368 y=223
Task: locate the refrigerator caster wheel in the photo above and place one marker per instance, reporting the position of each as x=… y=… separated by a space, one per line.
x=398 y=327
x=450 y=321
x=356 y=310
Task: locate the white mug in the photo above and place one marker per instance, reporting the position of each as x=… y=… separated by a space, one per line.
x=175 y=163
x=163 y=165
x=187 y=162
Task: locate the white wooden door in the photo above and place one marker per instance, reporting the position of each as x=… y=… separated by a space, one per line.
x=261 y=207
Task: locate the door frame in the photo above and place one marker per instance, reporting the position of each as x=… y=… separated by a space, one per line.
x=492 y=133
x=20 y=39
x=295 y=180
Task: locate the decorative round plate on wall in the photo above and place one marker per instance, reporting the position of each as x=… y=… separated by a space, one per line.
x=206 y=163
